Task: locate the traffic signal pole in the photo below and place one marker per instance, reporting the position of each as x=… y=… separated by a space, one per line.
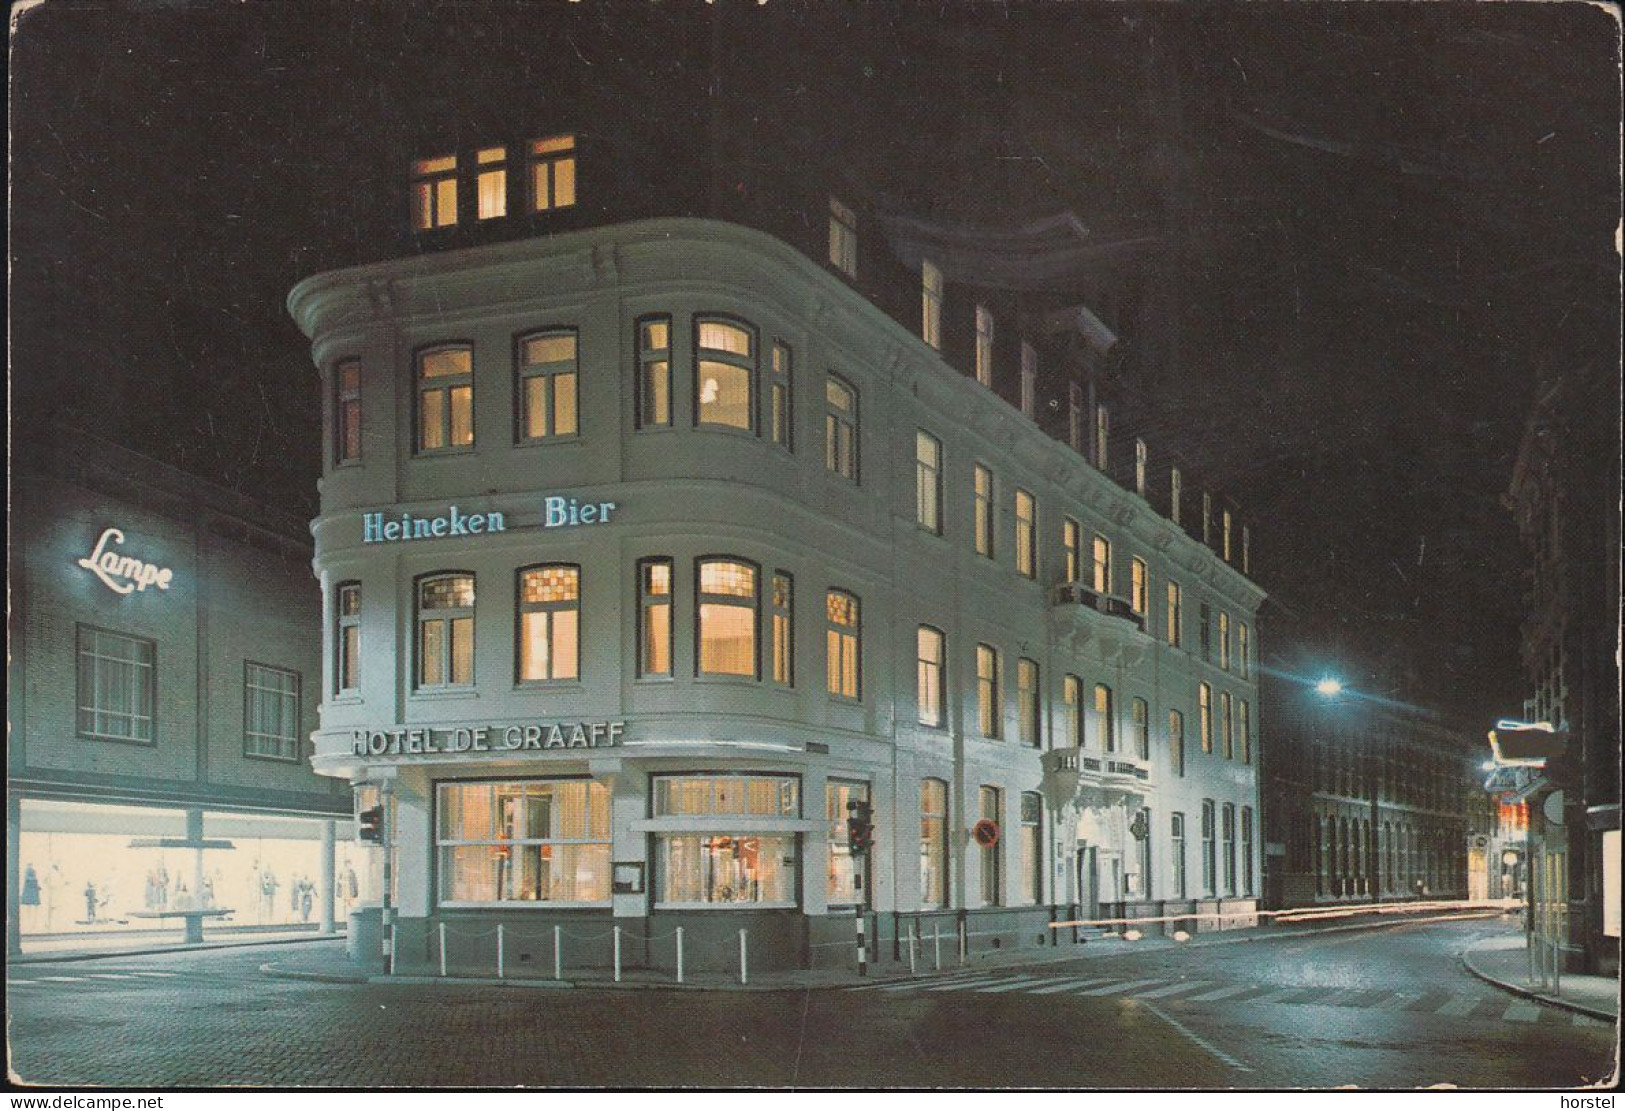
x=387 y=834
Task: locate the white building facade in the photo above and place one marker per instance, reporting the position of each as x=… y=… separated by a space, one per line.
x=645 y=550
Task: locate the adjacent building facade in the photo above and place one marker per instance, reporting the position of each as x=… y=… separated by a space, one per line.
x=164 y=656
x=1369 y=802
x=647 y=548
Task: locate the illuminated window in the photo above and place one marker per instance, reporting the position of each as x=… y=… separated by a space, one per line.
x=1032 y=847
x=841 y=888
x=1072 y=717
x=1176 y=741
x=780 y=419
x=725 y=375
x=1074 y=417
x=1103 y=565
x=1029 y=381
x=1105 y=718
x=1227 y=724
x=1176 y=847
x=445 y=631
x=270 y=712
x=1141 y=715
x=1224 y=640
x=549 y=623
x=1246 y=552
x=1139 y=586
x=1026 y=535
x=1102 y=430
x=1141 y=463
x=843 y=238
x=347 y=411
x=989 y=712
x=1071 y=547
x=491 y=182
x=654 y=619
x=933 y=843
x=445 y=399
x=841 y=428
x=1244 y=650
x=654 y=372
x=535 y=841
x=781 y=611
x=842 y=638
x=434 y=192
x=547 y=386
x=990 y=807
x=1204 y=715
x=727 y=618
x=1028 y=715
x=347 y=638
x=931 y=302
x=929 y=693
x=984 y=346
x=983 y=511
x=1224 y=536
x=928 y=482
x=552 y=173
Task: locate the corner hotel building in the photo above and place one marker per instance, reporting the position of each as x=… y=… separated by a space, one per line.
x=647 y=546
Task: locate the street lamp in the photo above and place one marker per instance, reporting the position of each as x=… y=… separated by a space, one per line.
x=1329 y=687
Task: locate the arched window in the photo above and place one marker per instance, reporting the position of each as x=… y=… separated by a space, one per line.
x=548 y=372
x=445 y=630
x=728 y=608
x=930 y=695
x=725 y=374
x=445 y=398
x=841 y=428
x=549 y=623
x=347 y=637
x=933 y=843
x=843 y=637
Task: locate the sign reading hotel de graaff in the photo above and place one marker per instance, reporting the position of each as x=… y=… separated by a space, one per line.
x=557 y=512
x=401 y=740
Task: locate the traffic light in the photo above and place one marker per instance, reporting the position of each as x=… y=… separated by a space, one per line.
x=369 y=825
x=860 y=827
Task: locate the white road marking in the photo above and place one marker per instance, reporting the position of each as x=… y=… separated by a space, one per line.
x=1397 y=1001
x=975 y=982
x=1118 y=989
x=1460 y=1006
x=1175 y=989
x=1071 y=985
x=108 y=975
x=1023 y=984
x=1222 y=993
x=63 y=979
x=1196 y=1039
x=161 y=975
x=1522 y=1012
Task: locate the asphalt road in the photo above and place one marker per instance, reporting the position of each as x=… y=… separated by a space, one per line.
x=1390 y=1008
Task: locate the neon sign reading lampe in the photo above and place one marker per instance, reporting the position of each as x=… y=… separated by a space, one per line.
x=123 y=574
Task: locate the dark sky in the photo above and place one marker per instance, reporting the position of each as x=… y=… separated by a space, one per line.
x=1395 y=220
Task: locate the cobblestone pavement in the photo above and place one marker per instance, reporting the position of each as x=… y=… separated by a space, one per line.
x=1391 y=1008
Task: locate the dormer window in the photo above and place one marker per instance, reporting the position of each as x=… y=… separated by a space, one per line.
x=931 y=304
x=552 y=173
x=434 y=192
x=843 y=238
x=491 y=184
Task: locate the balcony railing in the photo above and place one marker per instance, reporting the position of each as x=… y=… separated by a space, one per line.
x=1077 y=594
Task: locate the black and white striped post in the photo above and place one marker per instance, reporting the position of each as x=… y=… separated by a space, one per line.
x=862 y=923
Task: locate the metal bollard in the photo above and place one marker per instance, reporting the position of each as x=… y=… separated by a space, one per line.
x=913 y=935
x=964 y=942
x=442 y=948
x=679 y=954
x=744 y=966
x=936 y=944
x=558 y=952
x=499 y=951
x=617 y=954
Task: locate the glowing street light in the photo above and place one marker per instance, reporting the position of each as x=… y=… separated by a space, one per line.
x=1329 y=687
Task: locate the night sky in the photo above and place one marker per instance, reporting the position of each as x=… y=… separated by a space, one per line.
x=1397 y=220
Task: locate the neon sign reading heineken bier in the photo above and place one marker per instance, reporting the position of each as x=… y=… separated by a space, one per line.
x=429 y=740
x=557 y=512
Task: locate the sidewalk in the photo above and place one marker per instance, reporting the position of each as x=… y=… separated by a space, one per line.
x=331 y=965
x=106 y=947
x=1503 y=961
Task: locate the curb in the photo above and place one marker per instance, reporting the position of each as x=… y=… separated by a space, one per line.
x=276 y=971
x=74 y=956
x=1529 y=993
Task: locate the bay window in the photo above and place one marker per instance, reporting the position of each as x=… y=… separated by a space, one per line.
x=445 y=398
x=445 y=631
x=549 y=623
x=728 y=616
x=724 y=375
x=547 y=386
x=724 y=866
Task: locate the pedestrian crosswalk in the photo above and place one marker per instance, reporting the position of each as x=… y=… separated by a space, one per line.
x=1186 y=992
x=36 y=979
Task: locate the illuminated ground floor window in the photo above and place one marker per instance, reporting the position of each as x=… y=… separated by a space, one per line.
x=532 y=841
x=711 y=869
